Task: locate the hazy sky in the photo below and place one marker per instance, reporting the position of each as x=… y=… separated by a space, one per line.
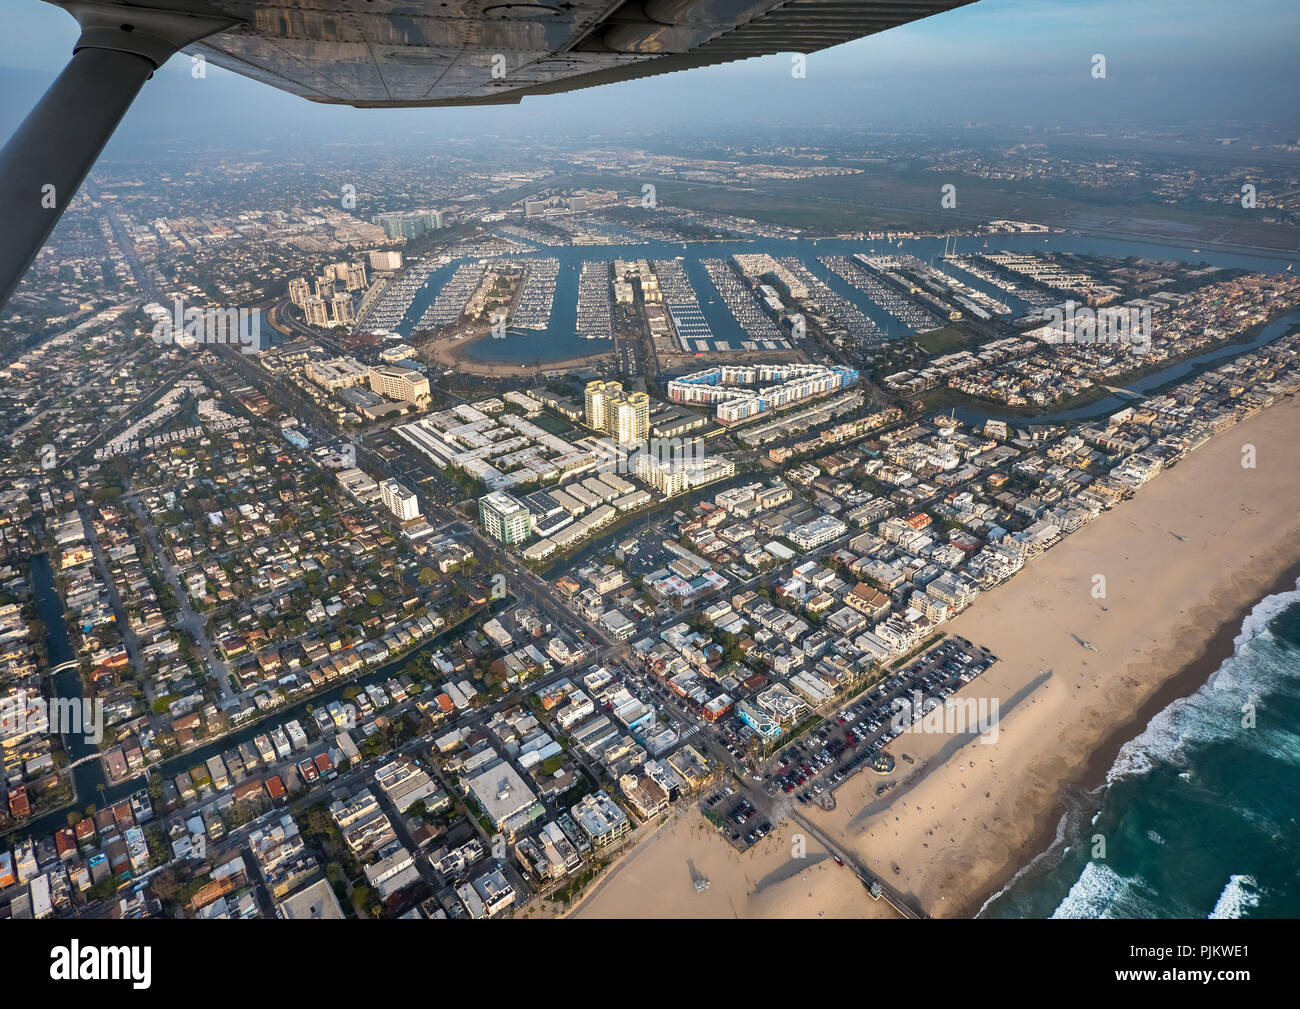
x=996 y=60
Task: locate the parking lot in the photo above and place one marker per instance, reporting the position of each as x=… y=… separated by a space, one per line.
x=630 y=357
x=855 y=736
x=649 y=553
x=736 y=817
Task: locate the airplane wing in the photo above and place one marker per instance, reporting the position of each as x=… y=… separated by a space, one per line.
x=383 y=54
x=387 y=53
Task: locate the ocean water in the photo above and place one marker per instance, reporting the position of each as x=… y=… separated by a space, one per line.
x=1200 y=814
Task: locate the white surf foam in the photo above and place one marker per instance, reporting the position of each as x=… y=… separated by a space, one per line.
x=1201 y=716
x=1238 y=897
x=1093 y=893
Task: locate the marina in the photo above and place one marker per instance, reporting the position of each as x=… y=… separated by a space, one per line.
x=758 y=331
x=595 y=320
x=450 y=303
x=703 y=320
x=532 y=307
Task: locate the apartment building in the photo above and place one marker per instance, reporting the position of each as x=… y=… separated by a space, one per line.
x=400 y=383
x=505 y=518
x=336 y=373
x=625 y=417
x=399 y=500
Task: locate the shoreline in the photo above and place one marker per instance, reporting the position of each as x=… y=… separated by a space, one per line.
x=1182 y=569
x=1184 y=683
x=1185 y=568
x=627 y=854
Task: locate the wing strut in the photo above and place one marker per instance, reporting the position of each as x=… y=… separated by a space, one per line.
x=49 y=155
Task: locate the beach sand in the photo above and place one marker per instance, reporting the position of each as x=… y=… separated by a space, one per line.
x=1168 y=619
x=968 y=814
x=656 y=879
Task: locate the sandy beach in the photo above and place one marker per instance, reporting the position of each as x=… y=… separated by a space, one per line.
x=656 y=879
x=968 y=814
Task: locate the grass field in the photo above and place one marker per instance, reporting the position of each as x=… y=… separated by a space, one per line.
x=944 y=341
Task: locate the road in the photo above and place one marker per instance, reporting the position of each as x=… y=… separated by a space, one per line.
x=129 y=639
x=530 y=589
x=189 y=621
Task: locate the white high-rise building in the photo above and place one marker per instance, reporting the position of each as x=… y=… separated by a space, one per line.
x=399 y=500
x=299 y=291
x=597 y=403
x=623 y=416
x=400 y=383
x=629 y=418
x=385 y=260
x=505 y=518
x=341 y=309
x=316 y=312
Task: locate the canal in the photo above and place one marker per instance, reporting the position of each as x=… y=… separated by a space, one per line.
x=89 y=780
x=1111 y=404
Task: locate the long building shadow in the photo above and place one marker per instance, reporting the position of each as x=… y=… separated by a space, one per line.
x=949 y=748
x=789 y=869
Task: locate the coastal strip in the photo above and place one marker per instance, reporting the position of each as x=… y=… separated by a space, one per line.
x=1182 y=568
x=1189 y=679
